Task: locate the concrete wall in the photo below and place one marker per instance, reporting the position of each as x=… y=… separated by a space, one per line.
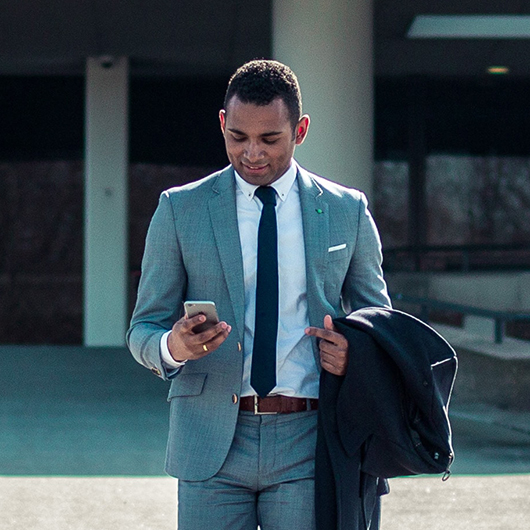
x=502 y=383
x=497 y=291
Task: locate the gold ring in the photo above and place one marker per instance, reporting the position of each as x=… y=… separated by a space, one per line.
x=204 y=347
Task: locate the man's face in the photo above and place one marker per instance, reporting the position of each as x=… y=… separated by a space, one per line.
x=260 y=139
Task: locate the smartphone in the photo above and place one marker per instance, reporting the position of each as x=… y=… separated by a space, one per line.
x=207 y=308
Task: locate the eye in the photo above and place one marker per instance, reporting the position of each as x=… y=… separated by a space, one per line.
x=269 y=141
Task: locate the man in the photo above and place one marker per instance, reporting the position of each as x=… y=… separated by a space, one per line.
x=238 y=468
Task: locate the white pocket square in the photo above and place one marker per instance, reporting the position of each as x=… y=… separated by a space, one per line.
x=337 y=247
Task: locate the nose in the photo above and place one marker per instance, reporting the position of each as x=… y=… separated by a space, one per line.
x=253 y=152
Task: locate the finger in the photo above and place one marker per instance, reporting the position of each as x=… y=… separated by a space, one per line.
x=214 y=343
x=331 y=366
x=187 y=324
x=328 y=323
x=201 y=349
x=320 y=333
x=328 y=336
x=332 y=370
x=338 y=338
x=210 y=333
x=331 y=348
x=334 y=364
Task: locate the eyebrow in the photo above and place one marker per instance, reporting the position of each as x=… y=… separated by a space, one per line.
x=272 y=133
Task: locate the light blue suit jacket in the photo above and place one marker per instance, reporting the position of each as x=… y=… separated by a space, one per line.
x=193 y=252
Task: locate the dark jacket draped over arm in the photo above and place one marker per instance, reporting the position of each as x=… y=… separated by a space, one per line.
x=387 y=417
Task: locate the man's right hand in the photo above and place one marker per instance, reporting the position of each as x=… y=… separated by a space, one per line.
x=186 y=345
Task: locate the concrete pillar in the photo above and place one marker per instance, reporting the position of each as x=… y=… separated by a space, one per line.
x=106 y=170
x=328 y=44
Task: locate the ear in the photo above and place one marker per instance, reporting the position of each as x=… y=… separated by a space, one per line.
x=222 y=119
x=301 y=129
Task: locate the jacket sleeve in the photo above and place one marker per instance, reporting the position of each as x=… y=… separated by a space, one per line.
x=161 y=289
x=364 y=285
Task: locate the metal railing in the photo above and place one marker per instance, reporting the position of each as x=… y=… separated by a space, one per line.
x=499 y=317
x=461 y=258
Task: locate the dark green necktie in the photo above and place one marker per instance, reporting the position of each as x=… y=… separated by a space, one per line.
x=263 y=371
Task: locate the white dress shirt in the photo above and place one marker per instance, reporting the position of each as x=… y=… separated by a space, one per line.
x=296 y=369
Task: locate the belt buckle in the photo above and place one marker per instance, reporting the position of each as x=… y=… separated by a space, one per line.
x=257 y=412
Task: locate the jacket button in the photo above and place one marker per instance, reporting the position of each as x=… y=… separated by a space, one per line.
x=156 y=371
x=235 y=399
x=238 y=346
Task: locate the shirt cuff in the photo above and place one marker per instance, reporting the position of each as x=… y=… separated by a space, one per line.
x=167 y=358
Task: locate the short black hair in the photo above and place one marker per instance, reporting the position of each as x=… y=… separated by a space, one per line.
x=262 y=81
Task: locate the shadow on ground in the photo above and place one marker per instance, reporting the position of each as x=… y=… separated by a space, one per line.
x=95 y=411
x=80 y=411
x=83 y=433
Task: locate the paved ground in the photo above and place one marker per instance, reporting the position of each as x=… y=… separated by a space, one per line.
x=82 y=439
x=122 y=503
x=87 y=503
x=462 y=503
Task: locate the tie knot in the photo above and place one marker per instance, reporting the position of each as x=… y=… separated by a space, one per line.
x=266 y=195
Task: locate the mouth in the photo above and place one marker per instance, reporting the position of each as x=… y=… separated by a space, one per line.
x=255 y=168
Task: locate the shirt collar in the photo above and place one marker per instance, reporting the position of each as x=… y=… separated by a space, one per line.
x=282 y=186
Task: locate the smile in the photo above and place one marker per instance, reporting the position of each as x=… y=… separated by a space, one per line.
x=255 y=168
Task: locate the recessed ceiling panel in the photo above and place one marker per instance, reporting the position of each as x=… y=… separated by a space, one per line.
x=470 y=27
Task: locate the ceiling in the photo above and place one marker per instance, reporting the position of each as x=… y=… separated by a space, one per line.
x=213 y=37
x=396 y=55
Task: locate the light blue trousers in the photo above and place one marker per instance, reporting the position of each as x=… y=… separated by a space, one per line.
x=267 y=479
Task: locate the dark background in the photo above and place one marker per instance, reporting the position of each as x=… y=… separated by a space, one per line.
x=175 y=138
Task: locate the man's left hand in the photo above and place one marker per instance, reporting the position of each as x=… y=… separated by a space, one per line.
x=333 y=347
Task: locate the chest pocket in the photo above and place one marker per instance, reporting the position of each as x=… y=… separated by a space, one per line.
x=338 y=252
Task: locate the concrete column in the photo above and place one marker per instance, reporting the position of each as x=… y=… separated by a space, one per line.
x=328 y=44
x=106 y=170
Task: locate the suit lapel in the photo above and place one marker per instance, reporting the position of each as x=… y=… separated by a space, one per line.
x=315 y=220
x=223 y=214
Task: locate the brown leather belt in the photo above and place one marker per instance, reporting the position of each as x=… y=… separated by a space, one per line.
x=277 y=404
